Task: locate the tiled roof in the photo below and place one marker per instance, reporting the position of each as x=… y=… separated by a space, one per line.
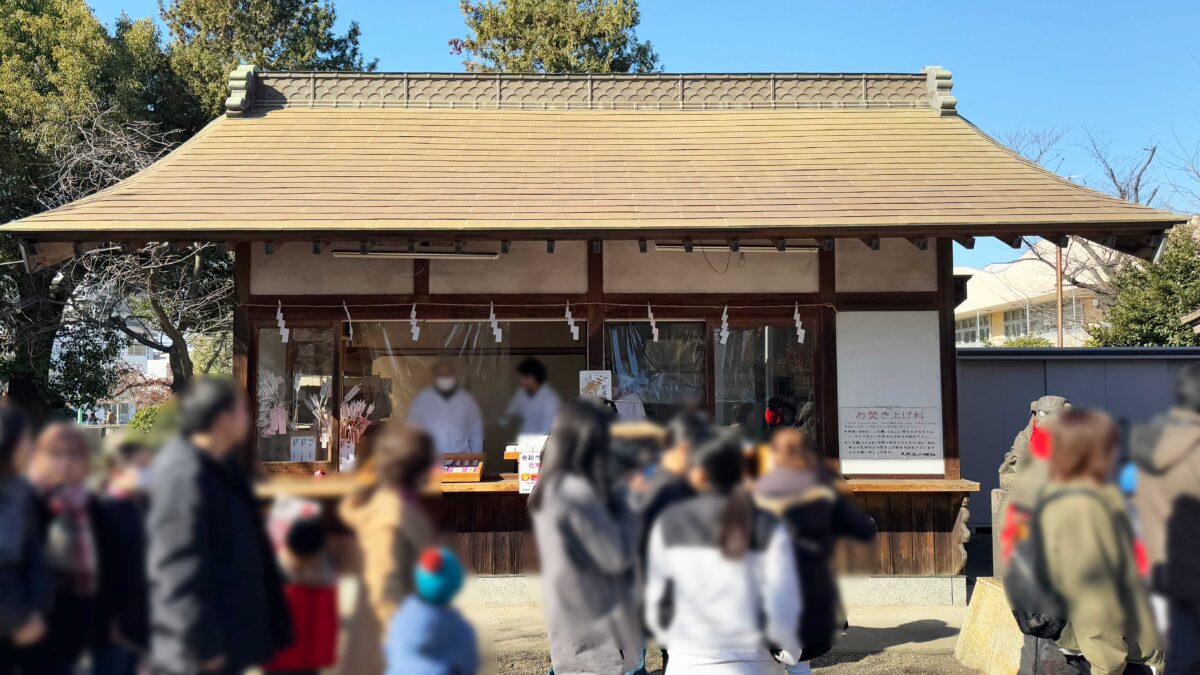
x=307 y=154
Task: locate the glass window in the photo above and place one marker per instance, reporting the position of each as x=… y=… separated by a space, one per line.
x=1014 y=323
x=1043 y=318
x=390 y=370
x=965 y=331
x=760 y=368
x=136 y=349
x=984 y=328
x=295 y=394
x=653 y=379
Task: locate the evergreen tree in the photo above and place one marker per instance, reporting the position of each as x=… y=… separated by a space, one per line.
x=208 y=38
x=1150 y=297
x=554 y=36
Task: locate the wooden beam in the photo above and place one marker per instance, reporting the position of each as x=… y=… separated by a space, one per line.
x=871 y=242
x=825 y=355
x=1059 y=240
x=922 y=243
x=1013 y=241
x=966 y=242
x=595 y=314
x=949 y=358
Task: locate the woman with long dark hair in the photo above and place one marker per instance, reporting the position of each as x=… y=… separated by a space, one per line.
x=586 y=545
x=722 y=591
x=24 y=577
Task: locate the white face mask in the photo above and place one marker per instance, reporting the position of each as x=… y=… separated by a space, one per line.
x=445 y=384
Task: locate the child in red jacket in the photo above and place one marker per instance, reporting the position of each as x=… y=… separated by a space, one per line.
x=311 y=592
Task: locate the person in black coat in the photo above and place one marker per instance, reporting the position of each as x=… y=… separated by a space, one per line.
x=216 y=595
x=24 y=576
x=816 y=515
x=124 y=505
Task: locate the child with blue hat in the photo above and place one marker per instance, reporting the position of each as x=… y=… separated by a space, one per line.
x=428 y=636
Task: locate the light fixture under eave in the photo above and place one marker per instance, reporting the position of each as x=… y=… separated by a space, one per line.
x=418 y=255
x=742 y=248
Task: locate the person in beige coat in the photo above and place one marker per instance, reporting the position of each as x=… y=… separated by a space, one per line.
x=391 y=530
x=1089 y=552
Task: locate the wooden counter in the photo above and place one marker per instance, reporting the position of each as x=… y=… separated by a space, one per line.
x=921 y=521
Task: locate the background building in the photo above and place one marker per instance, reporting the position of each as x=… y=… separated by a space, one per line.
x=1016 y=299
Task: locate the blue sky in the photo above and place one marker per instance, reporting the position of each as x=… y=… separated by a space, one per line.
x=1128 y=71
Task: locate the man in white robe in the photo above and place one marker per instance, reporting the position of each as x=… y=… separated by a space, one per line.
x=448 y=413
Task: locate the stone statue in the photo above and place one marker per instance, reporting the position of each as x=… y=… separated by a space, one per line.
x=1018 y=457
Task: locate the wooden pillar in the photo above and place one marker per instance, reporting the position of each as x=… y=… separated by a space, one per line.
x=826 y=354
x=949 y=357
x=595 y=298
x=242 y=339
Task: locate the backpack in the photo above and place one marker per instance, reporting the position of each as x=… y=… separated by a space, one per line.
x=1037 y=606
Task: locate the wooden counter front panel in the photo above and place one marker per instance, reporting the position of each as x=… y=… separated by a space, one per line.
x=920 y=534
x=491 y=530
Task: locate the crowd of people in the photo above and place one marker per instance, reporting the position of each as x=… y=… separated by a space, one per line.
x=676 y=539
x=1113 y=563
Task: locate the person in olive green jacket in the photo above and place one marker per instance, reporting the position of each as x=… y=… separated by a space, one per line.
x=1089 y=552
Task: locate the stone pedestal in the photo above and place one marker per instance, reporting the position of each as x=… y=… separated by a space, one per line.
x=999 y=506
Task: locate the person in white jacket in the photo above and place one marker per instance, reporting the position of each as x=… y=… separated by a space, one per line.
x=722 y=591
x=448 y=413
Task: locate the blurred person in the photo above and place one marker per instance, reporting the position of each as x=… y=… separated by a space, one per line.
x=391 y=530
x=310 y=589
x=428 y=636
x=216 y=596
x=722 y=591
x=666 y=482
x=1088 y=548
x=25 y=585
x=1167 y=453
x=816 y=515
x=125 y=501
x=77 y=545
x=535 y=402
x=448 y=412
x=586 y=545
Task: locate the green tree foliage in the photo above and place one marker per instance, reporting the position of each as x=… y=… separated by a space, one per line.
x=554 y=36
x=1020 y=342
x=1151 y=297
x=144 y=419
x=82 y=107
x=210 y=37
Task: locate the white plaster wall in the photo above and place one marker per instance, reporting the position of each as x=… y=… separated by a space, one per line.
x=890 y=359
x=294 y=270
x=628 y=271
x=896 y=266
x=526 y=268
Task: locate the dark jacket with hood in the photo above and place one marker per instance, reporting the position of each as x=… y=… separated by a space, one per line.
x=816 y=515
x=1167 y=452
x=215 y=589
x=427 y=639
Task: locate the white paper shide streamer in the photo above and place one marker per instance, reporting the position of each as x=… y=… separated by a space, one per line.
x=284 y=331
x=799 y=325
x=653 y=325
x=496 y=331
x=412 y=324
x=349 y=323
x=724 y=325
x=571 y=323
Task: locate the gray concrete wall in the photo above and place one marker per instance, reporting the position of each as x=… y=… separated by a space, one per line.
x=995 y=387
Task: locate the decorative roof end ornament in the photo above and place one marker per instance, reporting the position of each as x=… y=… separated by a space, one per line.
x=241 y=90
x=940 y=82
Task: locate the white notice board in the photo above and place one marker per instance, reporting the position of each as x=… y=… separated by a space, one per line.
x=889 y=393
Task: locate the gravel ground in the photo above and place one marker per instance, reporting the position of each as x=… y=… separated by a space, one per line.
x=838 y=663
